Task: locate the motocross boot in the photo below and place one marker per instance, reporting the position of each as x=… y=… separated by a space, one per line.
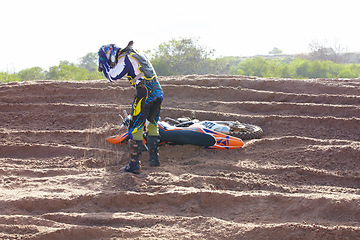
x=135 y=153
x=153 y=148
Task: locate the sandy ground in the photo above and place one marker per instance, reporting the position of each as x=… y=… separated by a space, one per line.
x=60 y=179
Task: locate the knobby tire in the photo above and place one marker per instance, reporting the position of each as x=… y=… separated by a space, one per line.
x=249 y=132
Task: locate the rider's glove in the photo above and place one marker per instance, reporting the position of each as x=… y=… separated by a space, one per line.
x=103 y=58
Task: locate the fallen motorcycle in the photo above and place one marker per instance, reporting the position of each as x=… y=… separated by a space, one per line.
x=210 y=134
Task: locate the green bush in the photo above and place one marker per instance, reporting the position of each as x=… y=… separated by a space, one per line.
x=299 y=68
x=7 y=77
x=64 y=71
x=34 y=73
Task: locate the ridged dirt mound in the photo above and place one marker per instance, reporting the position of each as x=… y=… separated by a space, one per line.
x=60 y=179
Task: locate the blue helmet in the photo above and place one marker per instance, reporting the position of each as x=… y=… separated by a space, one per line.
x=110 y=51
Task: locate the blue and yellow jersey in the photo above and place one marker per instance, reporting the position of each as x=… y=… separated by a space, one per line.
x=138 y=69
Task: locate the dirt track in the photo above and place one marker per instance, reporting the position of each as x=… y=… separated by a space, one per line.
x=60 y=179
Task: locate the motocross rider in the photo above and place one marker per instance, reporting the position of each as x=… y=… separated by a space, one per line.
x=115 y=63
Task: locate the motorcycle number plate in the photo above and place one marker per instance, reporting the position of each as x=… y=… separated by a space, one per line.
x=209 y=125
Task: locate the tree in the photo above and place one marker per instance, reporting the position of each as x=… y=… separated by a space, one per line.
x=34 y=73
x=89 y=62
x=257 y=66
x=324 y=52
x=275 y=51
x=349 y=71
x=161 y=67
x=69 y=71
x=222 y=65
x=9 y=77
x=181 y=57
x=300 y=68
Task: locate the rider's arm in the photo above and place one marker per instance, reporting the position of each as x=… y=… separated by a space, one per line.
x=121 y=68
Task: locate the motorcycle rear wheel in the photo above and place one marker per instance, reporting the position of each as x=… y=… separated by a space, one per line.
x=249 y=131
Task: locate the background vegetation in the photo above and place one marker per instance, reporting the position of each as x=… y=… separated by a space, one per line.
x=186 y=56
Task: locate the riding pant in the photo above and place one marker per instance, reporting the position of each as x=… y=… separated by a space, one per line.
x=146 y=106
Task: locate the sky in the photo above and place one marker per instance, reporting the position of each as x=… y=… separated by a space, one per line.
x=41 y=33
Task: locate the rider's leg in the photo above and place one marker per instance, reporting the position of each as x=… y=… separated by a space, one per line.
x=134 y=165
x=152 y=142
x=153 y=138
x=136 y=126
